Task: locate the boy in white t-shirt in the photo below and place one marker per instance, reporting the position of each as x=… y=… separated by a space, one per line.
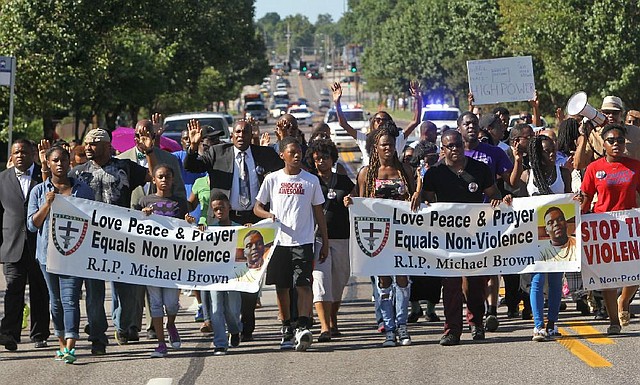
x=296 y=198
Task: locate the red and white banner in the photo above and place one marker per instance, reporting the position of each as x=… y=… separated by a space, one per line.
x=611 y=250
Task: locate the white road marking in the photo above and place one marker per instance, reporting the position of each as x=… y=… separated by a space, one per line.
x=160 y=381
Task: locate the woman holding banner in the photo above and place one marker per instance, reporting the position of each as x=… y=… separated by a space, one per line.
x=64 y=290
x=387 y=178
x=615 y=179
x=543 y=178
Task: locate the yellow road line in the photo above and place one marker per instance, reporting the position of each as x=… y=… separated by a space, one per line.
x=347 y=156
x=582 y=351
x=300 y=89
x=589 y=333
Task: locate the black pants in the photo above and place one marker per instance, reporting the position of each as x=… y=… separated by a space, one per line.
x=513 y=294
x=17 y=275
x=248 y=312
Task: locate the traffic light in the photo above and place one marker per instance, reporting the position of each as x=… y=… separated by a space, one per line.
x=354 y=68
x=303 y=66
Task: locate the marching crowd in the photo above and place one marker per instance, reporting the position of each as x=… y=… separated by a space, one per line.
x=304 y=185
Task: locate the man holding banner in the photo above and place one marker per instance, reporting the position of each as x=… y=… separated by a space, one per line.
x=113 y=181
x=462 y=179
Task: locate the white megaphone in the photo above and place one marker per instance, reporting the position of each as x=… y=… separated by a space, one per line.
x=578 y=105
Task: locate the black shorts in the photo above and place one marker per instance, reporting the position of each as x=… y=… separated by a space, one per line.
x=290 y=266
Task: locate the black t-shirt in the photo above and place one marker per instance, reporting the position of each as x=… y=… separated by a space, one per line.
x=113 y=182
x=337 y=215
x=168 y=207
x=466 y=188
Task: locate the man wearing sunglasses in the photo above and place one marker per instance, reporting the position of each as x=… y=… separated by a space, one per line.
x=461 y=179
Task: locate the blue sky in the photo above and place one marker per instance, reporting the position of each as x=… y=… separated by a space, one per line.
x=309 y=8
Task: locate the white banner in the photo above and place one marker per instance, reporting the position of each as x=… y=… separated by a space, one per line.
x=535 y=234
x=95 y=240
x=508 y=79
x=611 y=251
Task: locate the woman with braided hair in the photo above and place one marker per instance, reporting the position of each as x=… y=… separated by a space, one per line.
x=387 y=178
x=544 y=178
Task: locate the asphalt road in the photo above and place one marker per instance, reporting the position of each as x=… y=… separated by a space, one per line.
x=584 y=356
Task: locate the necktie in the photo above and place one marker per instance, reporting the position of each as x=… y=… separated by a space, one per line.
x=21 y=173
x=245 y=189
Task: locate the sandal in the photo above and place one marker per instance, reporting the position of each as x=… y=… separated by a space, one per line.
x=69 y=356
x=59 y=355
x=624 y=317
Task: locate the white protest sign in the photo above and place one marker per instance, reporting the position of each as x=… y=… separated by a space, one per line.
x=96 y=240
x=502 y=80
x=611 y=255
x=535 y=234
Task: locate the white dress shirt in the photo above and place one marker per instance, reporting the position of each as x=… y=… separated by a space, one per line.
x=235 y=185
x=25 y=181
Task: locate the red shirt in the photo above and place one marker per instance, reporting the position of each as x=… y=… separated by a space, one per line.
x=616 y=184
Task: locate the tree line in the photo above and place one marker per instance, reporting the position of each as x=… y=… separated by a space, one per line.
x=588 y=45
x=104 y=60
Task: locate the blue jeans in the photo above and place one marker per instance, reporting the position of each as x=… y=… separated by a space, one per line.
x=127 y=302
x=536 y=295
x=376 y=300
x=205 y=298
x=225 y=308
x=394 y=316
x=95 y=311
x=64 y=294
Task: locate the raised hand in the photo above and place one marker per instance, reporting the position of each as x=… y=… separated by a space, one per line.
x=195 y=134
x=144 y=140
x=43 y=147
x=265 y=139
x=414 y=88
x=336 y=88
x=156 y=120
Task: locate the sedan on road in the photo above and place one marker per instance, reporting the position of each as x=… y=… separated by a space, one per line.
x=302 y=115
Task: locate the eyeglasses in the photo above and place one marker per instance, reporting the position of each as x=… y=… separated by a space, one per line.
x=453 y=145
x=613 y=141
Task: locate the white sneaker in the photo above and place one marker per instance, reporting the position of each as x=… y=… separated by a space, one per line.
x=303 y=339
x=403 y=335
x=539 y=335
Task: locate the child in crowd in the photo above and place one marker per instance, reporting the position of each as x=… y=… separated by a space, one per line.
x=296 y=198
x=225 y=305
x=162 y=203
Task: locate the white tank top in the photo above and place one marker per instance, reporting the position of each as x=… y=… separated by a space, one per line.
x=557 y=187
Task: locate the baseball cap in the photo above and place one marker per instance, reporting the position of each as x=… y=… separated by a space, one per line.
x=97 y=135
x=611 y=103
x=210 y=131
x=487 y=120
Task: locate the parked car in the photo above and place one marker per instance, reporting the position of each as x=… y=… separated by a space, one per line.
x=175 y=124
x=302 y=115
x=257 y=111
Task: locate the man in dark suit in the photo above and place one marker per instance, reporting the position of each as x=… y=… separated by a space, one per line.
x=227 y=164
x=18 y=251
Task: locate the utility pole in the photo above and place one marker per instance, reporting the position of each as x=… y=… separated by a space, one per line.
x=288 y=35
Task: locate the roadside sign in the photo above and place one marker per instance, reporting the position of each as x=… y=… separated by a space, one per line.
x=508 y=79
x=8 y=78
